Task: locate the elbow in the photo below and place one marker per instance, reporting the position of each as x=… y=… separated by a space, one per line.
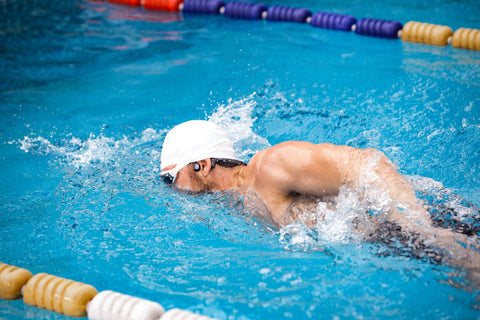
x=380 y=158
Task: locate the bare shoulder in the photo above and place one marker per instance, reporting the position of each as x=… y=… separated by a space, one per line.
x=287 y=161
x=293 y=153
x=284 y=171
x=277 y=154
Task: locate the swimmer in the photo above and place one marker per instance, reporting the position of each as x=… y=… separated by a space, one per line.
x=198 y=156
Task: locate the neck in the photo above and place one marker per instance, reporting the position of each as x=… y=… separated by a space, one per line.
x=228 y=178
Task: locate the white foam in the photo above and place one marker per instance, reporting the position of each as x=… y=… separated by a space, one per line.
x=357 y=211
x=236 y=119
x=298 y=237
x=439 y=194
x=38 y=144
x=349 y=218
x=78 y=152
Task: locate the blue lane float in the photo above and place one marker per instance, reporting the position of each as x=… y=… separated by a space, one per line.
x=414 y=31
x=333 y=21
x=386 y=29
x=203 y=6
x=245 y=10
x=291 y=14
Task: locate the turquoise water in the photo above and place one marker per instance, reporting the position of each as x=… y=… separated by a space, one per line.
x=89 y=90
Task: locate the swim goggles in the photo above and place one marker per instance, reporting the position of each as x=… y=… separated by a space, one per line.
x=169 y=176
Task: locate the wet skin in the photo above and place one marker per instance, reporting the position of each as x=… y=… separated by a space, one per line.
x=283 y=174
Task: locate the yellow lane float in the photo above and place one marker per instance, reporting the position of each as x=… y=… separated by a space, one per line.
x=58 y=294
x=426 y=33
x=12 y=279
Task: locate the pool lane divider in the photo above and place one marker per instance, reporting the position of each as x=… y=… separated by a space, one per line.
x=427 y=33
x=413 y=31
x=333 y=21
x=76 y=299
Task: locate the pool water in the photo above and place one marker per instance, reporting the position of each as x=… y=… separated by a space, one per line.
x=89 y=90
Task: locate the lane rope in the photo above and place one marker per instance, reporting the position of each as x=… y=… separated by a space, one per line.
x=412 y=31
x=76 y=299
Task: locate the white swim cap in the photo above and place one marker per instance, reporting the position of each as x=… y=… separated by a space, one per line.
x=193 y=141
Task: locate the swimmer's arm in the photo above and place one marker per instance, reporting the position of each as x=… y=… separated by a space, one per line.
x=317 y=170
x=322 y=169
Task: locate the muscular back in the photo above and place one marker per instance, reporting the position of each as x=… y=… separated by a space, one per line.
x=291 y=178
x=283 y=174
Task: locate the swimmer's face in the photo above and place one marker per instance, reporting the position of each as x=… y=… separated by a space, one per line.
x=188 y=179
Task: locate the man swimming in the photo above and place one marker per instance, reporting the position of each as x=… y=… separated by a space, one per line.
x=198 y=156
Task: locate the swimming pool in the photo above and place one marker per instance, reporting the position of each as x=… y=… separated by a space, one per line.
x=89 y=90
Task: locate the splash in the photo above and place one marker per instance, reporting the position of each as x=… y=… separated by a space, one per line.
x=76 y=152
x=298 y=237
x=360 y=215
x=447 y=208
x=96 y=170
x=236 y=119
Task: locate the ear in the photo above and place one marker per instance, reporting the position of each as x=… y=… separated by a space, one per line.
x=205 y=166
